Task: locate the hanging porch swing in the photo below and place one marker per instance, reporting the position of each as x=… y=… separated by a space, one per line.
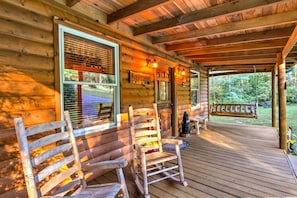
x=248 y=110
x=235 y=110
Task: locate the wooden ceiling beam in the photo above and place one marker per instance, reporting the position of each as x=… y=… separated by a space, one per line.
x=227 y=58
x=241 y=67
x=290 y=44
x=259 y=45
x=137 y=7
x=251 y=71
x=251 y=37
x=71 y=3
x=292 y=60
x=236 y=54
x=235 y=62
x=260 y=22
x=230 y=7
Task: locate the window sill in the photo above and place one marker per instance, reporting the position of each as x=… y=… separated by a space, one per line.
x=93 y=131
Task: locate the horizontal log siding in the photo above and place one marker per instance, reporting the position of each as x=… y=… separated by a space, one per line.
x=137 y=95
x=28 y=87
x=26 y=50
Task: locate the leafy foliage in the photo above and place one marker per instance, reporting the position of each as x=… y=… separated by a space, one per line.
x=249 y=88
x=241 y=88
x=291 y=95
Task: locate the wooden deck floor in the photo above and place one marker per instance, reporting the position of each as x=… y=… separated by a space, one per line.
x=230 y=161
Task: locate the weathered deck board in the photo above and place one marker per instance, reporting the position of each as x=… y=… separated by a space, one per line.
x=230 y=161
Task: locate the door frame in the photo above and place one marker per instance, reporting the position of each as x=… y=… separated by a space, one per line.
x=173 y=99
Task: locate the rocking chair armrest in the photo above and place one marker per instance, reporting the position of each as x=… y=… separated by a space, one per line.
x=110 y=164
x=172 y=141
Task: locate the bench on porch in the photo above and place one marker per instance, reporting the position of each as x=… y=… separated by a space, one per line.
x=199 y=122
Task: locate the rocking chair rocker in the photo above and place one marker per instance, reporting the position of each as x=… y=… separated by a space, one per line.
x=149 y=159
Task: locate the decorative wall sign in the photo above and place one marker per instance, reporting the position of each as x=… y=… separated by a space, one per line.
x=140 y=78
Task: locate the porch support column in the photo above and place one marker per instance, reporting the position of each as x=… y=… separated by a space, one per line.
x=174 y=121
x=273 y=92
x=208 y=95
x=282 y=101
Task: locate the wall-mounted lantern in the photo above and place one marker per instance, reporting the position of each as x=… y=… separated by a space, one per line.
x=151 y=62
x=181 y=75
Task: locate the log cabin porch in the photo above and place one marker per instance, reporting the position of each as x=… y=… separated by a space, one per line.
x=229 y=160
x=189 y=39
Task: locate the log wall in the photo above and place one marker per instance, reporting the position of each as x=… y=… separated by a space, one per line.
x=27 y=85
x=184 y=99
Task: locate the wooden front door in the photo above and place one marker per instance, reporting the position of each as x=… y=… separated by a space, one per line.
x=164 y=99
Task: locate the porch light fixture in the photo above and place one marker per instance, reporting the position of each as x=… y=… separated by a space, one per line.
x=151 y=60
x=181 y=75
x=183 y=72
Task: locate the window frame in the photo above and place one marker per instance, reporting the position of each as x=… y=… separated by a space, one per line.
x=97 y=128
x=198 y=91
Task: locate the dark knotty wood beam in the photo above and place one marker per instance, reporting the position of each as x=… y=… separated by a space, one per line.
x=259 y=45
x=71 y=3
x=215 y=11
x=260 y=22
x=290 y=44
x=134 y=8
x=251 y=37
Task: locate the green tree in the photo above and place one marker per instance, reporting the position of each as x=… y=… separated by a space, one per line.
x=241 y=88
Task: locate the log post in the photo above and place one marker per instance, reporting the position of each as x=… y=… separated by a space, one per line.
x=273 y=87
x=282 y=101
x=208 y=95
x=174 y=103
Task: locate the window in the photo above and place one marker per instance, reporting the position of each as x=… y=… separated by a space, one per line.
x=89 y=80
x=195 y=89
x=163 y=86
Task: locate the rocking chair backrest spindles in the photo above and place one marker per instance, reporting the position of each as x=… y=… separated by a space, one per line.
x=52 y=165
x=38 y=146
x=146 y=129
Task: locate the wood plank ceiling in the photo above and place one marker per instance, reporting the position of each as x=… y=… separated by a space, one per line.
x=218 y=34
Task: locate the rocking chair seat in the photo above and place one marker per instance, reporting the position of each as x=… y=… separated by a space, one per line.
x=106 y=190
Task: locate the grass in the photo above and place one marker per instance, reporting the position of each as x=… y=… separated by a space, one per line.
x=101 y=91
x=264 y=118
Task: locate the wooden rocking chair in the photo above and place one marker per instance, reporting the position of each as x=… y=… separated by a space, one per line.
x=149 y=159
x=52 y=166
